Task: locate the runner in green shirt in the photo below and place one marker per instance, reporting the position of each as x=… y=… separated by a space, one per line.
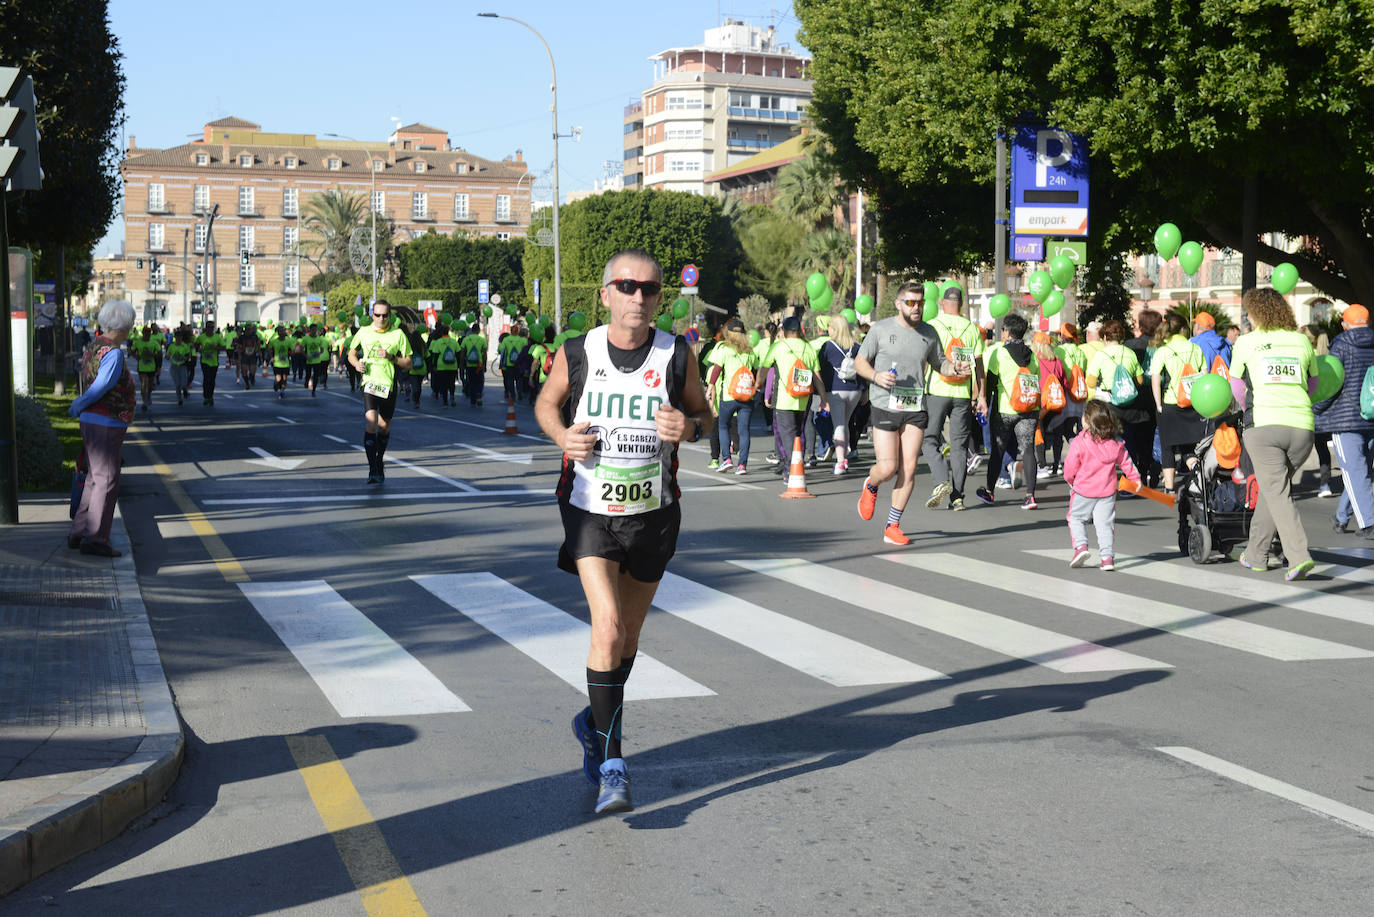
x=474 y=347
x=798 y=377
x=209 y=344
x=181 y=355
x=147 y=347
x=280 y=345
x=376 y=352
x=508 y=350
x=953 y=398
x=447 y=355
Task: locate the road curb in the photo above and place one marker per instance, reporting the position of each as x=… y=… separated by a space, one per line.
x=82 y=817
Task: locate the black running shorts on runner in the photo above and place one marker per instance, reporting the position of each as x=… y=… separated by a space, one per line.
x=893 y=421
x=384 y=407
x=642 y=544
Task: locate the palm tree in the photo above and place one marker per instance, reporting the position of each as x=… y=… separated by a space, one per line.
x=331 y=218
x=829 y=251
x=809 y=192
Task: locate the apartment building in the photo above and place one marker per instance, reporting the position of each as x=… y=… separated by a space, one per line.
x=718 y=103
x=258 y=187
x=634 y=146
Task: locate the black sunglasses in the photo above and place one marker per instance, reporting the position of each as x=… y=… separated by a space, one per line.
x=628 y=287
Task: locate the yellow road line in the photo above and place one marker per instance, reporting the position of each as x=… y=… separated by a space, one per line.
x=385 y=890
x=228 y=565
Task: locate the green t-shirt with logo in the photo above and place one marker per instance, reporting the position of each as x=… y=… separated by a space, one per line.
x=147 y=353
x=949 y=327
x=281 y=352
x=378 y=347
x=209 y=346
x=1102 y=366
x=180 y=354
x=784 y=354
x=999 y=363
x=1171 y=360
x=730 y=362
x=1276 y=365
x=316 y=350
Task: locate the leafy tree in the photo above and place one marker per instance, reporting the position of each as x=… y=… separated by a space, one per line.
x=330 y=219
x=458 y=262
x=808 y=191
x=769 y=242
x=829 y=251
x=1184 y=106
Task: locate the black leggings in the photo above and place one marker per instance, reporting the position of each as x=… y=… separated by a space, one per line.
x=1013 y=430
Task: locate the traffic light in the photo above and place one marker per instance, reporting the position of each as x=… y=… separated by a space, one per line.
x=19 y=131
x=138 y=263
x=244 y=257
x=153 y=265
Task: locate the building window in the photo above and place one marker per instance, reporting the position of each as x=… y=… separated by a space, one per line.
x=378 y=165
x=155 y=237
x=460 y=206
x=379 y=202
x=246 y=200
x=245 y=238
x=202 y=231
x=201 y=198
x=246 y=161
x=290 y=277
x=202 y=159
x=289 y=201
x=334 y=163
x=682 y=102
x=156 y=202
x=419 y=165
x=503 y=206
x=290 y=162
x=684 y=164
x=246 y=278
x=419 y=205
x=503 y=236
x=684 y=133
x=740 y=100
x=462 y=168
x=157 y=277
x=289 y=237
x=199 y=273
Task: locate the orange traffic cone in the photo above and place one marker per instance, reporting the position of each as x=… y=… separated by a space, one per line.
x=796 y=478
x=511 y=429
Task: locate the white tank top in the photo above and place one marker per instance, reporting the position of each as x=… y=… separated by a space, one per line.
x=628 y=472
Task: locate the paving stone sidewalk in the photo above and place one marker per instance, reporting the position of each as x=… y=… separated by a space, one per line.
x=89 y=736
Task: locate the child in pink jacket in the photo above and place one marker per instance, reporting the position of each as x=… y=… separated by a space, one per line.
x=1090 y=469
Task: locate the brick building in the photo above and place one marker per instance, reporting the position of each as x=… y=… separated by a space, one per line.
x=263 y=183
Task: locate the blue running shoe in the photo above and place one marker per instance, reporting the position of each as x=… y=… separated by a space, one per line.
x=615 y=788
x=591 y=744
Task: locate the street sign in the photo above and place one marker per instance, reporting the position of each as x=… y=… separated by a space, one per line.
x=484 y=291
x=496 y=299
x=1028 y=248
x=536 y=291
x=690 y=275
x=687 y=291
x=1077 y=252
x=1049 y=182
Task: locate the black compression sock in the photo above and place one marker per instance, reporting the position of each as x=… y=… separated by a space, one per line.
x=382 y=440
x=370 y=447
x=606 y=691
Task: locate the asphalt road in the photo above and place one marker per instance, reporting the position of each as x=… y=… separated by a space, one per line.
x=823 y=724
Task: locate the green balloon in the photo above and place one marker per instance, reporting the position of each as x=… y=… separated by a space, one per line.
x=863 y=304
x=930 y=309
x=822 y=303
x=577 y=321
x=681 y=306
x=754 y=337
x=850 y=316
x=1061 y=271
x=1330 y=376
x=1167 y=240
x=512 y=309
x=1052 y=304
x=665 y=322
x=932 y=291
x=999 y=305
x=816 y=284
x=1041 y=284
x=1211 y=395
x=1285 y=278
x=1190 y=257
x=486 y=311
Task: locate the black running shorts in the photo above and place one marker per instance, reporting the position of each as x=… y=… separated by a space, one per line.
x=642 y=544
x=384 y=407
x=893 y=421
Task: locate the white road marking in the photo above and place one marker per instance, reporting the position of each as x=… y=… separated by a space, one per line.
x=453 y=482
x=361 y=670
x=819 y=653
x=286 y=419
x=337 y=439
x=466 y=423
x=1355 y=818
x=271 y=461
x=1133 y=609
x=994 y=632
x=551 y=637
x=721 y=479
x=1243 y=585
x=491 y=455
x=370 y=495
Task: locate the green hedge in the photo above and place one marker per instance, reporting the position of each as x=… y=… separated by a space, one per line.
x=40 y=451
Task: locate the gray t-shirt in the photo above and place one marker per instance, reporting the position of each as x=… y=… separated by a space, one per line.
x=913 y=351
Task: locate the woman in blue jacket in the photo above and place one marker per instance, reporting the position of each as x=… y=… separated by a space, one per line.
x=1352 y=436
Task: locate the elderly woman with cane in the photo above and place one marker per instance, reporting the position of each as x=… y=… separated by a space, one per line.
x=105 y=411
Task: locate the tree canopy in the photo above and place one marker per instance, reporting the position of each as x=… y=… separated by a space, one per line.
x=68 y=49
x=1181 y=103
x=458 y=262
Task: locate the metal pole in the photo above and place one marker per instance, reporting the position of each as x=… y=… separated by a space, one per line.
x=185 y=276
x=859 y=247
x=1000 y=219
x=372 y=206
x=9 y=450
x=557 y=239
x=59 y=325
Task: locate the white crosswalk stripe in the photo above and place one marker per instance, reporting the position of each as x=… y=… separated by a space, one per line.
x=994 y=632
x=1269 y=590
x=820 y=653
x=551 y=637
x=361 y=670
x=1138 y=610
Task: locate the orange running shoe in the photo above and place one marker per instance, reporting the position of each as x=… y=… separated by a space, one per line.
x=893 y=535
x=867 y=501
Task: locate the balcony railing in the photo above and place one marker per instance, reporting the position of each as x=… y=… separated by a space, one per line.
x=290 y=213
x=202 y=210
x=740 y=142
x=159 y=286
x=249 y=211
x=159 y=207
x=421 y=216
x=764 y=114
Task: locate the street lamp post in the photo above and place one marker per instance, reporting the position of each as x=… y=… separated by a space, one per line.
x=557 y=253
x=371 y=207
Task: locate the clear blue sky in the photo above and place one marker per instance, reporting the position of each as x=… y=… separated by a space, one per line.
x=349 y=67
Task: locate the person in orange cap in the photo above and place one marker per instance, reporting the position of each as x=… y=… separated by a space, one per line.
x=1352 y=436
x=1206 y=337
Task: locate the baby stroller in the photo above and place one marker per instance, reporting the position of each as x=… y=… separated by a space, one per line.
x=1216 y=497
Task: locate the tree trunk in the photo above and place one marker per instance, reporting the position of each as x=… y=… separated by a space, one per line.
x=59 y=327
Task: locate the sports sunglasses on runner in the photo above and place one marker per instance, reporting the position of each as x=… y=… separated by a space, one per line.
x=628 y=287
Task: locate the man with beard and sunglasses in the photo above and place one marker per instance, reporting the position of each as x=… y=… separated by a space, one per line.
x=376 y=352
x=617 y=402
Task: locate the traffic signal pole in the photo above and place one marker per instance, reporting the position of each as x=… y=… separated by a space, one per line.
x=9 y=450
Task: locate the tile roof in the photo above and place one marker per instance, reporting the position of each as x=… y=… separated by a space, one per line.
x=235 y=123
x=772 y=158
x=313 y=159
x=419 y=128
